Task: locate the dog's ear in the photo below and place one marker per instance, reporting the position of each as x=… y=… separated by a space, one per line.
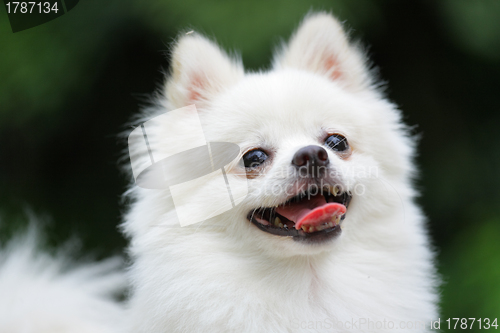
x=199 y=70
x=320 y=44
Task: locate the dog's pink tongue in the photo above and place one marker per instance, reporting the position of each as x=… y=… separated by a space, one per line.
x=313 y=212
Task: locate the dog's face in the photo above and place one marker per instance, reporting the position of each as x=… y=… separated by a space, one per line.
x=317 y=158
x=323 y=154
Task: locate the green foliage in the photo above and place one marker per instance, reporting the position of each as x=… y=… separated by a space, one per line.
x=474 y=26
x=471 y=271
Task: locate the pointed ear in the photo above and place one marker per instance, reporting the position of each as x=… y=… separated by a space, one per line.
x=320 y=45
x=199 y=70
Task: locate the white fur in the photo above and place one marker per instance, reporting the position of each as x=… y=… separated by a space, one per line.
x=44 y=293
x=236 y=278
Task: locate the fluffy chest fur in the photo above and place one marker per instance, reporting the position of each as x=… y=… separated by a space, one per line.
x=186 y=282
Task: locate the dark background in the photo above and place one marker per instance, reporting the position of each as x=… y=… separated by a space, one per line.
x=67 y=88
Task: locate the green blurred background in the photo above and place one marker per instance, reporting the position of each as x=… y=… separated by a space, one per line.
x=67 y=88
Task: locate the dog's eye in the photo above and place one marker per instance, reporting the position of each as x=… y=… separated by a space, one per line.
x=337 y=142
x=254 y=158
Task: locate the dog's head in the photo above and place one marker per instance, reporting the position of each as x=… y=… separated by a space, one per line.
x=323 y=153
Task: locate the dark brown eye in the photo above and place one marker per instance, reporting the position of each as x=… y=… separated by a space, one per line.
x=254 y=158
x=337 y=142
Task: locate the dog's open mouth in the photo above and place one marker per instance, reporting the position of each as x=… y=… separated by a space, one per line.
x=307 y=216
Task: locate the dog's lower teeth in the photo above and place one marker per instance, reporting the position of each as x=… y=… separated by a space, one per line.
x=277 y=222
x=314 y=228
x=322 y=227
x=335 y=219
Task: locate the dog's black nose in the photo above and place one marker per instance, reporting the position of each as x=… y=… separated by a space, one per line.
x=312 y=159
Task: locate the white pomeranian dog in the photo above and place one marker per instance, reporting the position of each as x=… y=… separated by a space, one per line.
x=326 y=236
